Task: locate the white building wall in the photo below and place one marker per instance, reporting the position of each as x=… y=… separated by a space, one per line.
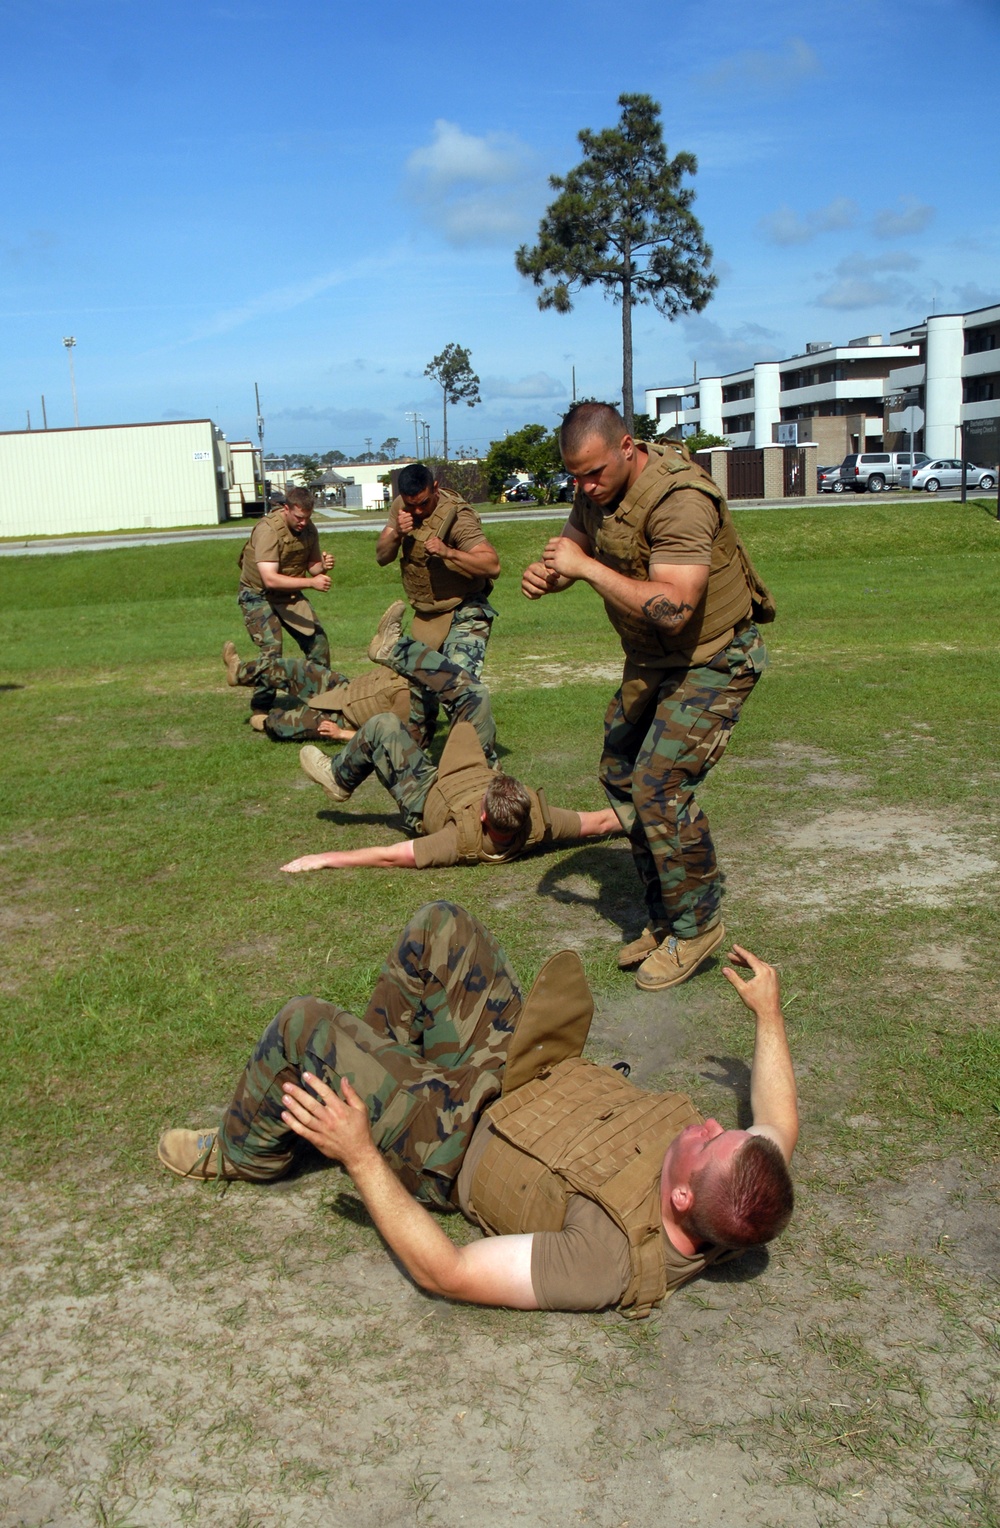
x=124 y=477
x=766 y=401
x=710 y=391
x=943 y=386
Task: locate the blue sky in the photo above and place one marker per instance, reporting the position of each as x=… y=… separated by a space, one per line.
x=319 y=198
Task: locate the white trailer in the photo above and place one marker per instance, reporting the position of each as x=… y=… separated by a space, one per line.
x=113 y=477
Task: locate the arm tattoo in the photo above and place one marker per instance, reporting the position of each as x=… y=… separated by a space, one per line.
x=661 y=611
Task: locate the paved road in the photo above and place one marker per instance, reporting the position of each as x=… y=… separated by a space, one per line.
x=334 y=521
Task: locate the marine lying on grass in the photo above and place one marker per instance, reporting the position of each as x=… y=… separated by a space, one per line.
x=456 y=1093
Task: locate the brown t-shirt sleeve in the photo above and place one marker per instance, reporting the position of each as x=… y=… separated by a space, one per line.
x=467 y=530
x=310 y=544
x=682 y=528
x=265 y=543
x=565 y=824
x=437 y=850
x=585 y=1266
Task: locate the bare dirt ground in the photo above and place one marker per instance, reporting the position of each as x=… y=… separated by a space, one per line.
x=173 y=1353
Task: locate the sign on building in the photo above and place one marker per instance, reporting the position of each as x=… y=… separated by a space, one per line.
x=788 y=434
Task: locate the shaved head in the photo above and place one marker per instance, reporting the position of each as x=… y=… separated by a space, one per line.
x=585 y=421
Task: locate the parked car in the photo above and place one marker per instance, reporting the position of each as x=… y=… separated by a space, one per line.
x=873 y=471
x=828 y=480
x=521 y=493
x=946 y=472
x=564 y=486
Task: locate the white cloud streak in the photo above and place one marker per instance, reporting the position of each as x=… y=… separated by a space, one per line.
x=786 y=227
x=766 y=73
x=901 y=222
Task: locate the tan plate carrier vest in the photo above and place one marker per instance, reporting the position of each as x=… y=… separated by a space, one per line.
x=619 y=541
x=431 y=586
x=582 y=1129
x=457 y=796
x=360 y=699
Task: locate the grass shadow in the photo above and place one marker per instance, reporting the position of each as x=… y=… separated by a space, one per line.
x=734 y=1076
x=617 y=887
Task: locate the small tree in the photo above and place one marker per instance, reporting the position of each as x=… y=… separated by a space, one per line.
x=389 y=447
x=704 y=440
x=533 y=449
x=310 y=471
x=623 y=221
x=452 y=370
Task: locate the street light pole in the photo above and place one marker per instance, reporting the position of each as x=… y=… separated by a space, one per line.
x=69 y=342
x=260 y=437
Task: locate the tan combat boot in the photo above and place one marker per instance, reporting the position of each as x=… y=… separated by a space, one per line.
x=677 y=959
x=231 y=659
x=649 y=940
x=194 y=1154
x=258 y=721
x=387 y=633
x=319 y=768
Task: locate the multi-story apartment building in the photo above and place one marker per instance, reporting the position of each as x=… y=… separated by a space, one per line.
x=851 y=397
x=954 y=379
x=831 y=395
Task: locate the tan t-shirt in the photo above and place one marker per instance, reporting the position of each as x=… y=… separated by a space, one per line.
x=680 y=530
x=440 y=849
x=586 y=1265
x=273 y=540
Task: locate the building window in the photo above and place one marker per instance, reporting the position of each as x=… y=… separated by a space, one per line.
x=978 y=340
x=737 y=423
x=981 y=389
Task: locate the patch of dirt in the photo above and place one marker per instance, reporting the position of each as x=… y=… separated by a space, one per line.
x=886 y=855
x=543 y=674
x=940 y=958
x=176 y=1355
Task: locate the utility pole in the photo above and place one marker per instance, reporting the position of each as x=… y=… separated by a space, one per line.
x=260 y=437
x=413 y=417
x=368 y=443
x=45 y=421
x=427 y=437
x=574 y=384
x=28 y=412
x=69 y=342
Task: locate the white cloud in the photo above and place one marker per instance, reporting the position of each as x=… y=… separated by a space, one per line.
x=283 y=299
x=719 y=351
x=472 y=189
x=538 y=385
x=909 y=217
x=784 y=226
x=769 y=73
x=869 y=281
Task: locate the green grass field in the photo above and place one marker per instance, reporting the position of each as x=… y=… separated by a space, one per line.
x=149 y=935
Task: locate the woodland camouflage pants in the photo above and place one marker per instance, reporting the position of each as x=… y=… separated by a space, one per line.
x=465 y=646
x=263 y=622
x=427 y=1057
x=650 y=769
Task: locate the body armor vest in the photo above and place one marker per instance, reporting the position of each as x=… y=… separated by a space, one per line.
x=360 y=699
x=582 y=1129
x=457 y=797
x=619 y=541
x=430 y=585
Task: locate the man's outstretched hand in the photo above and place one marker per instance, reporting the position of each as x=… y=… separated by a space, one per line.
x=337 y=1125
x=762 y=993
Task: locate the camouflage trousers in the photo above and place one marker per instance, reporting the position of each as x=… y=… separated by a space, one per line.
x=385 y=747
x=465 y=646
x=427 y=1057
x=291 y=682
x=263 y=622
x=440 y=677
x=650 y=768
